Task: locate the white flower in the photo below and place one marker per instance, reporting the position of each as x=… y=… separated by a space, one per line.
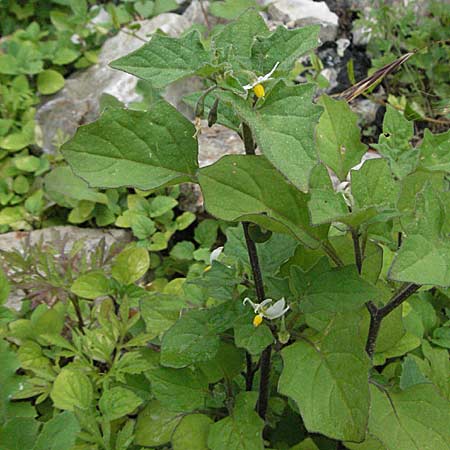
x=261 y=310
x=215 y=254
x=260 y=80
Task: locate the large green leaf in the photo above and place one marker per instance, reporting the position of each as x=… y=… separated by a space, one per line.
x=416 y=418
x=160 y=312
x=283 y=46
x=118 y=402
x=242 y=430
x=179 y=389
x=249 y=188
x=271 y=254
x=434 y=151
x=134 y=148
x=72 y=390
x=424 y=257
x=394 y=143
x=59 y=433
x=336 y=289
x=338 y=137
x=192 y=433
x=155 y=425
x=130 y=265
x=164 y=60
x=328 y=380
x=192 y=339
x=19 y=433
x=235 y=40
x=373 y=185
x=283 y=127
x=66 y=189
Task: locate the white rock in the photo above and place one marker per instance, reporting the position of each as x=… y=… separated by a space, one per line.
x=78 y=102
x=306 y=12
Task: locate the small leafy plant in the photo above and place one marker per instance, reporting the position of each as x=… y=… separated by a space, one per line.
x=353 y=349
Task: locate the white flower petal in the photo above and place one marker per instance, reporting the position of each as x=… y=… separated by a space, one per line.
x=276 y=310
x=215 y=254
x=260 y=80
x=255 y=306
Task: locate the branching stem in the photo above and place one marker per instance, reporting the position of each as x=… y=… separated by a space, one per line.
x=378 y=314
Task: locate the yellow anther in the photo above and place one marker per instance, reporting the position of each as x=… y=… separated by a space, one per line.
x=259 y=90
x=257 y=321
x=207 y=268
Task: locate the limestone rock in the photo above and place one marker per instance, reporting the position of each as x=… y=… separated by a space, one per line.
x=298 y=13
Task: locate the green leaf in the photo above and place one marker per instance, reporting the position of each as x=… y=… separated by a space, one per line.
x=333 y=394
x=272 y=253
x=424 y=257
x=72 y=390
x=130 y=265
x=283 y=46
x=283 y=127
x=19 y=140
x=179 y=389
x=237 y=37
x=65 y=188
x=411 y=374
x=145 y=150
x=183 y=250
x=373 y=185
x=91 y=285
x=161 y=204
x=192 y=339
x=253 y=339
x=434 y=154
x=185 y=219
x=155 y=425
x=231 y=9
x=59 y=433
x=19 y=433
x=394 y=143
x=228 y=363
x=160 y=312
x=49 y=81
x=118 y=402
x=336 y=289
x=241 y=430
x=192 y=433
x=238 y=188
x=164 y=60
x=338 y=137
x=437 y=368
x=27 y=163
x=416 y=418
x=142 y=226
x=4 y=287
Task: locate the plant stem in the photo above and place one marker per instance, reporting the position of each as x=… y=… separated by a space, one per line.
x=249 y=372
x=264 y=383
x=331 y=252
x=249 y=144
x=357 y=248
x=76 y=306
x=378 y=314
x=205 y=15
